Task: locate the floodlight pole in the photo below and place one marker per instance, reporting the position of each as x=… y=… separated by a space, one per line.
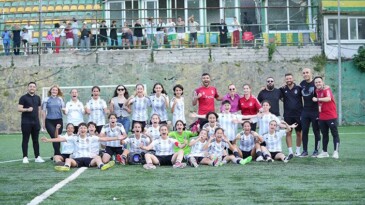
x=339 y=64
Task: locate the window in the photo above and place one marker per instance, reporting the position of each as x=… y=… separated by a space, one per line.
x=288 y=15
x=352 y=29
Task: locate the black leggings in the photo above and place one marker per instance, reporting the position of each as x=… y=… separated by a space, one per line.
x=306 y=119
x=51 y=128
x=326 y=125
x=27 y=131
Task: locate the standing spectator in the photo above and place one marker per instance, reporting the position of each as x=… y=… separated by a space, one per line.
x=57 y=37
x=25 y=39
x=69 y=36
x=16 y=39
x=114 y=34
x=30 y=107
x=223 y=33
x=74 y=110
x=95 y=34
x=103 y=35
x=118 y=105
x=160 y=33
x=204 y=96
x=271 y=94
x=327 y=117
x=126 y=33
x=233 y=98
x=96 y=108
x=30 y=30
x=171 y=32
x=193 y=28
x=85 y=38
x=293 y=106
x=249 y=105
x=150 y=31
x=6 y=36
x=180 y=29
x=236 y=32
x=63 y=35
x=52 y=108
x=310 y=113
x=75 y=31
x=137 y=35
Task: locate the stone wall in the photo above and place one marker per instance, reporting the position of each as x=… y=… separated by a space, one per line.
x=169 y=67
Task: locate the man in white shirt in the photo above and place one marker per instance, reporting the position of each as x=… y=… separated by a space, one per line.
x=63 y=35
x=95 y=32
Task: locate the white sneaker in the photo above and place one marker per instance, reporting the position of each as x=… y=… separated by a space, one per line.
x=297 y=154
x=323 y=155
x=25 y=160
x=259 y=159
x=39 y=159
x=335 y=155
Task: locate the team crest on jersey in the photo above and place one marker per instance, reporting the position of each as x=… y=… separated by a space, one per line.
x=250 y=103
x=295 y=91
x=212 y=92
x=203 y=93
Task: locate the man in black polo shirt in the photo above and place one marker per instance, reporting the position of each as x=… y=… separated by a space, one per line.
x=30 y=107
x=271 y=94
x=310 y=113
x=293 y=106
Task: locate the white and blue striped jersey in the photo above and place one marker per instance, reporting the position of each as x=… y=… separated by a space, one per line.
x=164 y=147
x=197 y=150
x=273 y=142
x=82 y=146
x=158 y=105
x=95 y=145
x=179 y=110
x=210 y=129
x=139 y=108
x=113 y=132
x=97 y=113
x=135 y=144
x=264 y=123
x=154 y=132
x=75 y=112
x=218 y=149
x=226 y=122
x=247 y=142
x=66 y=147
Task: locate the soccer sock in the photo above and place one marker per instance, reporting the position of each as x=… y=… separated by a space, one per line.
x=237 y=160
x=290 y=150
x=124 y=157
x=235 y=153
x=100 y=165
x=258 y=153
x=298 y=150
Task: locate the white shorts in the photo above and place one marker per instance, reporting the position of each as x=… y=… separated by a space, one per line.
x=180 y=36
x=70 y=41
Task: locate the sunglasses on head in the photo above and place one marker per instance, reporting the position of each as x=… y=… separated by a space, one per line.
x=120 y=89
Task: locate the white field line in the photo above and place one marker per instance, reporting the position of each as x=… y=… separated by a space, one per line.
x=17 y=160
x=49 y=192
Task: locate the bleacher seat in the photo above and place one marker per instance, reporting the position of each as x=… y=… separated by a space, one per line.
x=50 y=8
x=44 y=8
x=5 y=10
x=20 y=10
x=66 y=7
x=89 y=7
x=81 y=7
x=97 y=7
x=12 y=10
x=28 y=9
x=58 y=8
x=35 y=9
x=73 y=8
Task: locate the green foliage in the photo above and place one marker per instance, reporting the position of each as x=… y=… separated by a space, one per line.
x=359 y=59
x=272 y=48
x=320 y=61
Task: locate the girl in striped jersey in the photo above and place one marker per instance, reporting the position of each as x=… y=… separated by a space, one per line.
x=251 y=143
x=264 y=117
x=212 y=123
x=217 y=147
x=66 y=147
x=273 y=142
x=134 y=142
x=97 y=146
x=153 y=131
x=159 y=102
x=140 y=105
x=113 y=129
x=177 y=104
x=164 y=147
x=96 y=108
x=198 y=154
x=82 y=156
